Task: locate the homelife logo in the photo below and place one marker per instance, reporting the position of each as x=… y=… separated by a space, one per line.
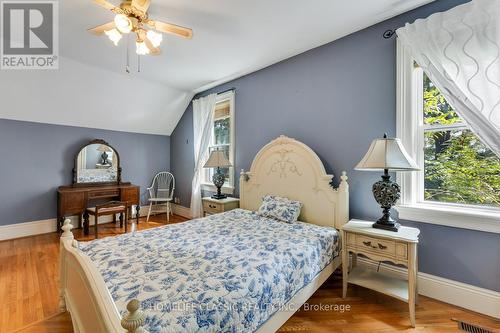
x=29 y=32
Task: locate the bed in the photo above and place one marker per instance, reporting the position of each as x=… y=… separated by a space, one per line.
x=235 y=271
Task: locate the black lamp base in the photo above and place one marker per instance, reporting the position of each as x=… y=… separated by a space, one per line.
x=394 y=226
x=386 y=193
x=219 y=196
x=218 y=180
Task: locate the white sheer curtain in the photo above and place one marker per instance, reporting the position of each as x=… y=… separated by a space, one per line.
x=203 y=115
x=460 y=51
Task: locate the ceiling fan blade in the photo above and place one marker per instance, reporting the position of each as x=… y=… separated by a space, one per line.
x=142 y=5
x=100 y=29
x=152 y=50
x=105 y=4
x=171 y=29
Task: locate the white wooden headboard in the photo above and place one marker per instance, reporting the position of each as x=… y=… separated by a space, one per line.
x=288 y=168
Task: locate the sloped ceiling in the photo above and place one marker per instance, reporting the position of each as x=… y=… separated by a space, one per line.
x=231 y=38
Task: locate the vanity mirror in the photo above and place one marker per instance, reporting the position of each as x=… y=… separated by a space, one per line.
x=97 y=163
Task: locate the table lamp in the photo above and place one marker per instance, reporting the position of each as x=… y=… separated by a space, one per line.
x=104 y=149
x=218 y=160
x=386 y=154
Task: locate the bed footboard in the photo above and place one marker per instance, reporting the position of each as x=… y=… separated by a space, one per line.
x=84 y=294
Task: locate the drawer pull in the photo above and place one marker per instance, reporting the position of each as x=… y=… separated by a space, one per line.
x=378 y=246
x=212 y=206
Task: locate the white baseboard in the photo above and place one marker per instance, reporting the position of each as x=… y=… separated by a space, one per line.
x=25 y=229
x=18 y=230
x=453 y=292
x=182 y=211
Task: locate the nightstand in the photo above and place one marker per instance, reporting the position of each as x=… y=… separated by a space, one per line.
x=400 y=248
x=215 y=206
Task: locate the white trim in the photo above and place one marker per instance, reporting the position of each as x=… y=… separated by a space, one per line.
x=18 y=230
x=182 y=211
x=464 y=295
x=25 y=229
x=410 y=128
x=452 y=216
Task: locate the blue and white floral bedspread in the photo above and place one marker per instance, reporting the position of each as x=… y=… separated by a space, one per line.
x=224 y=273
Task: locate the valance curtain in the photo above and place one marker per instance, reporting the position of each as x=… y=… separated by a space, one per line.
x=460 y=52
x=203 y=115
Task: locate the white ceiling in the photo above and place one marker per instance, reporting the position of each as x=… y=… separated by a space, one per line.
x=231 y=38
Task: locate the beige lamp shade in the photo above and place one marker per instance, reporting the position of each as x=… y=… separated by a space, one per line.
x=217 y=159
x=104 y=148
x=387 y=153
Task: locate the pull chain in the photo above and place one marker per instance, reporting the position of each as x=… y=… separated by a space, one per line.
x=138 y=63
x=127 y=66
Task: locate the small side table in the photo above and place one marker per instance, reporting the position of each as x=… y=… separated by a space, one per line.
x=381 y=245
x=215 y=206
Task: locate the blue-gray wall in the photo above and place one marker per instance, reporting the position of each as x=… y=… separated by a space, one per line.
x=37 y=158
x=336 y=99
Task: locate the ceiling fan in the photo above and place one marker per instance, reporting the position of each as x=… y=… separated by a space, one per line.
x=132 y=17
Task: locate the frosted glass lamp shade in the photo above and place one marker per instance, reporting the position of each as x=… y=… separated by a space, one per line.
x=217 y=159
x=387 y=153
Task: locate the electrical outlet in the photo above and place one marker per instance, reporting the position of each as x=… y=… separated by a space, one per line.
x=177 y=200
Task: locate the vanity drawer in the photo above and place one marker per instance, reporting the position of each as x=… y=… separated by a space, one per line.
x=212 y=207
x=380 y=246
x=130 y=195
x=104 y=193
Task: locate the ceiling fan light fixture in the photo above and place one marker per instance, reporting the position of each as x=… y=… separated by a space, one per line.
x=123 y=23
x=154 y=37
x=114 y=35
x=141 y=48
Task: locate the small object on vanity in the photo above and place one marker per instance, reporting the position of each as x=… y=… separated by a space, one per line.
x=218 y=160
x=381 y=245
x=215 y=206
x=386 y=154
x=104 y=149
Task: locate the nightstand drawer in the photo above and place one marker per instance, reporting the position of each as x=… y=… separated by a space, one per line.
x=212 y=207
x=351 y=239
x=380 y=246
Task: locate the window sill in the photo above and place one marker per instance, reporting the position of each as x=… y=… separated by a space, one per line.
x=481 y=219
x=212 y=188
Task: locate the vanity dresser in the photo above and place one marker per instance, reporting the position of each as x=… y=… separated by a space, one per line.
x=96 y=177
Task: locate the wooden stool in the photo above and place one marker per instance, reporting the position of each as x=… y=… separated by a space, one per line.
x=109 y=208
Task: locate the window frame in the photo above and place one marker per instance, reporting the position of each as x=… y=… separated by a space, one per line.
x=410 y=130
x=206 y=182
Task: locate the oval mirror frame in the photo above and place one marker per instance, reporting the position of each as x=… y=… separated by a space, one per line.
x=118 y=167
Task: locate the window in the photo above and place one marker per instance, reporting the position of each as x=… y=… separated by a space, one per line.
x=459 y=181
x=458 y=168
x=222 y=139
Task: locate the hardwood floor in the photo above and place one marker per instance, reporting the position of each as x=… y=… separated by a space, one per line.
x=29 y=273
x=29 y=291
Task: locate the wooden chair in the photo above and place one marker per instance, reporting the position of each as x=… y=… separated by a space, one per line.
x=109 y=208
x=161 y=192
